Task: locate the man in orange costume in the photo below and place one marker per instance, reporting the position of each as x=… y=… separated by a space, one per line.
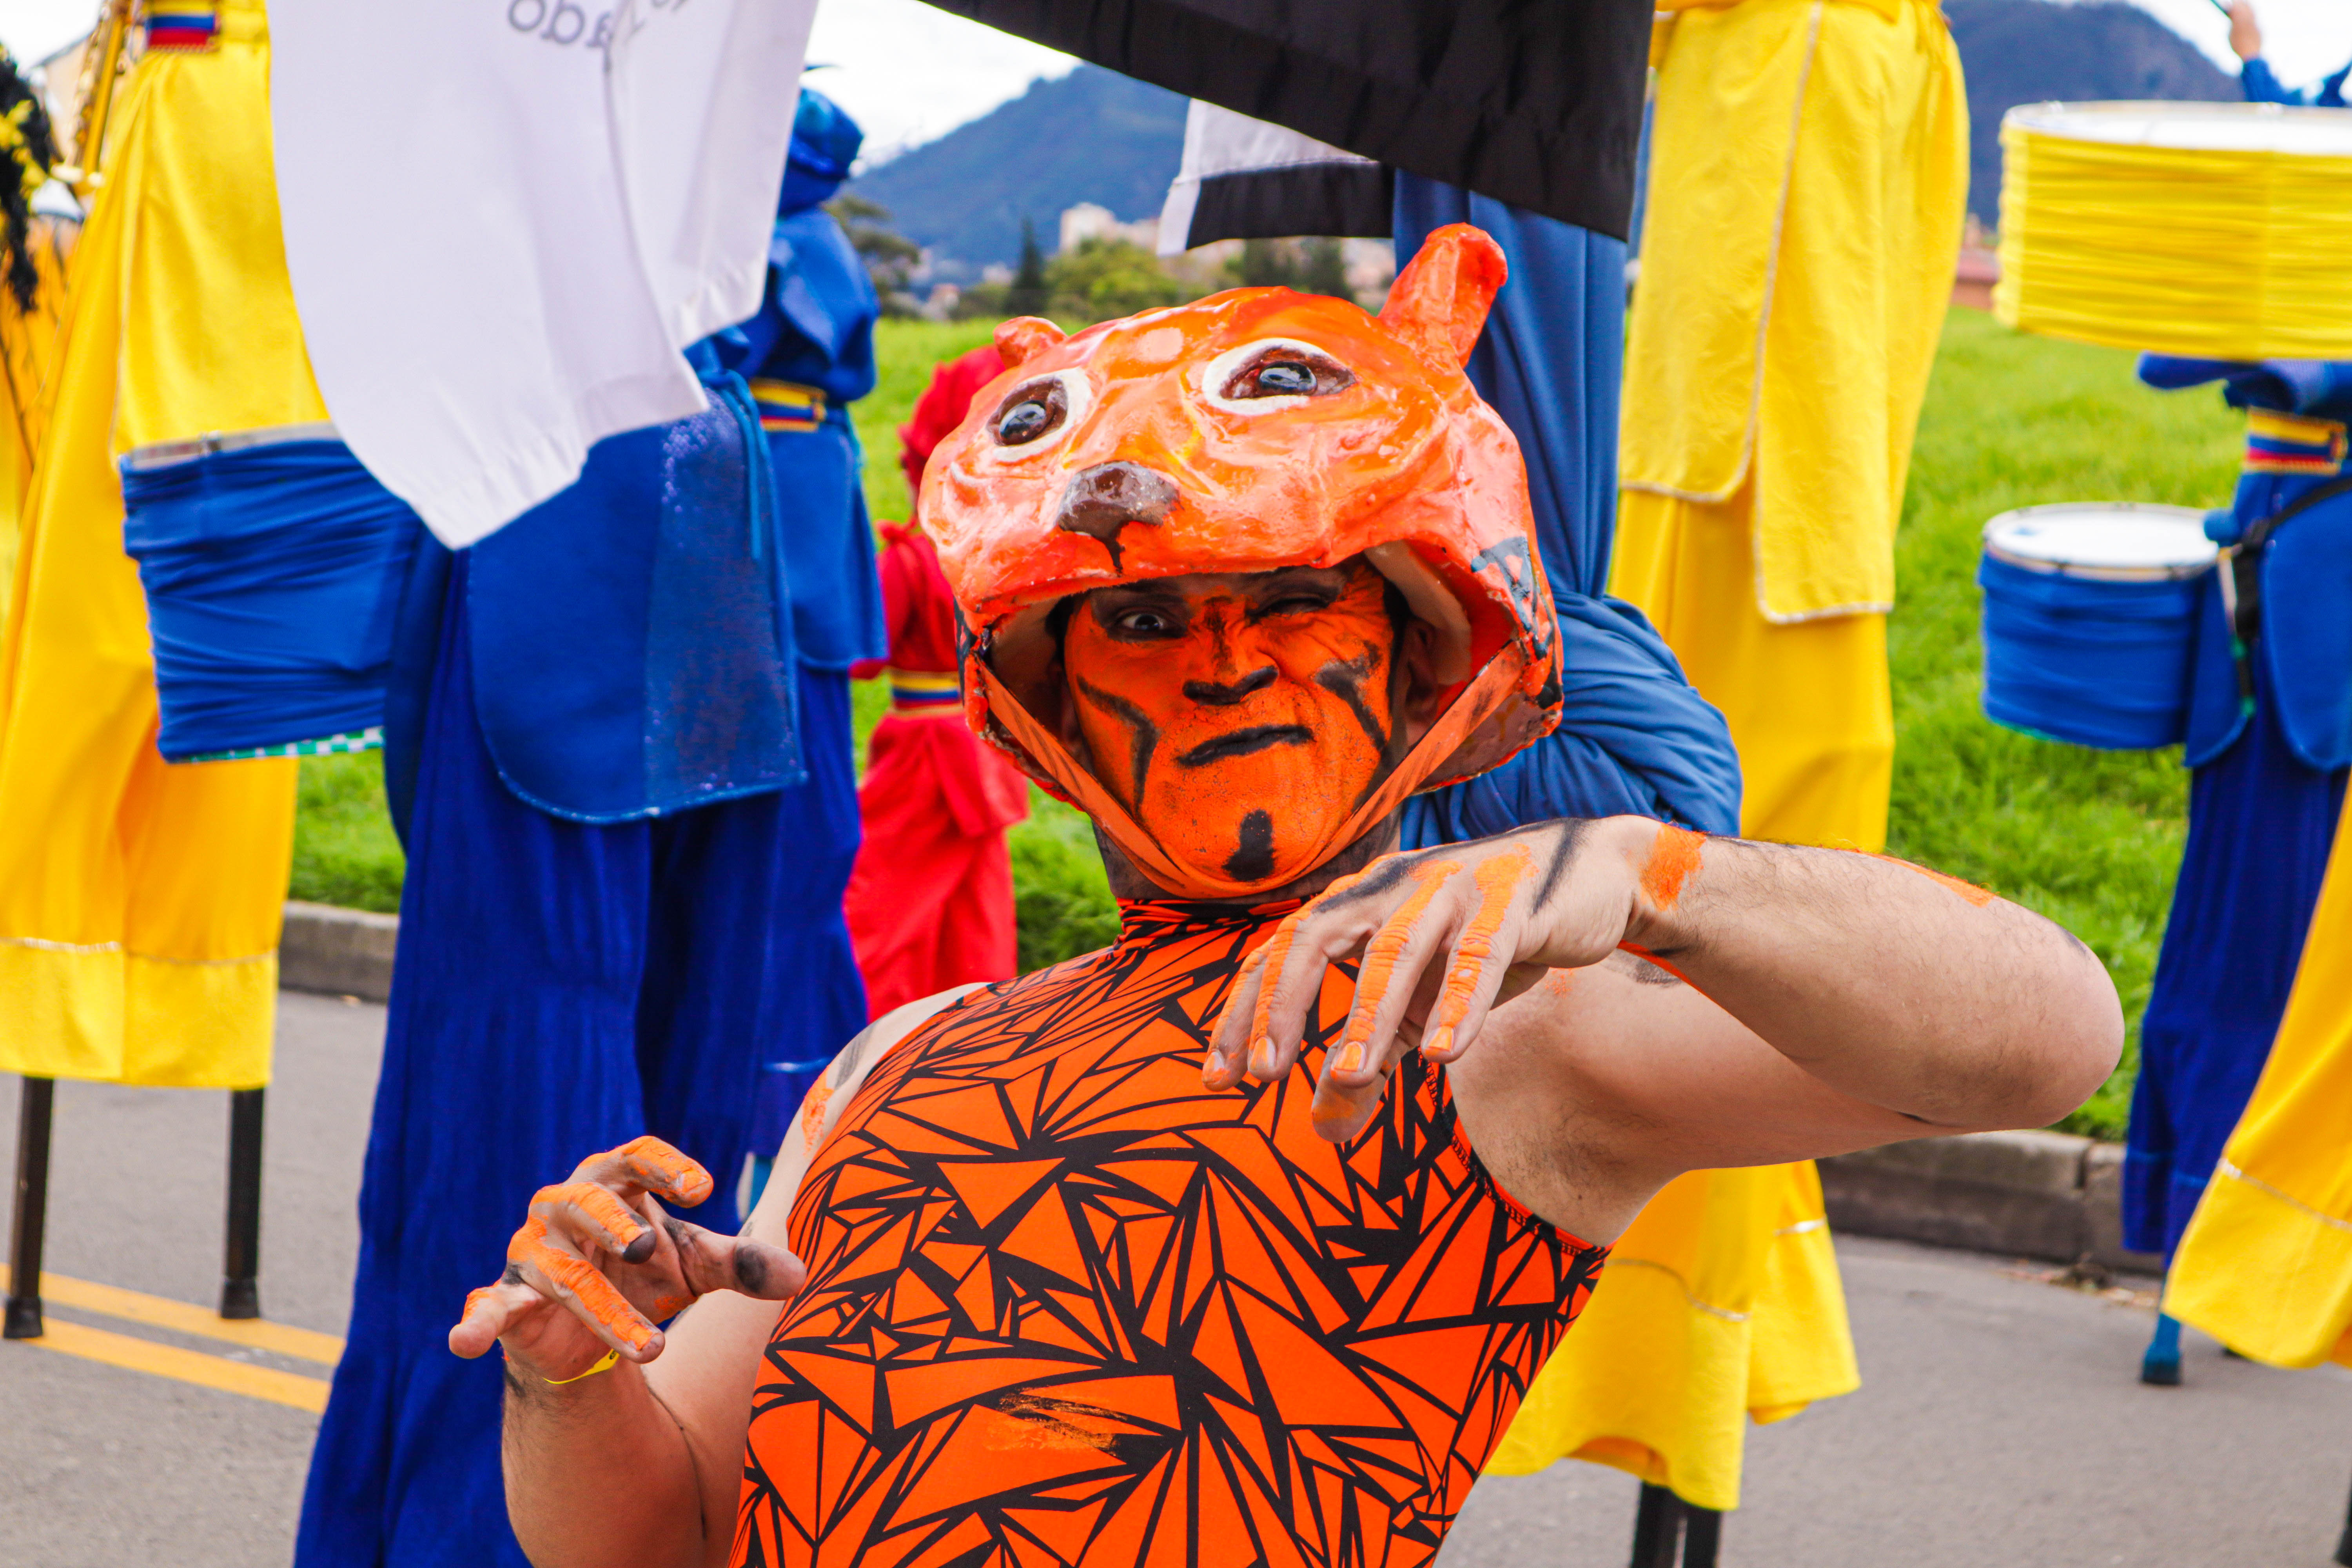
x=931 y=900
x=1239 y=1241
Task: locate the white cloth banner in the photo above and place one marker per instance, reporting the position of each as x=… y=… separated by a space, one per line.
x=1218 y=142
x=505 y=218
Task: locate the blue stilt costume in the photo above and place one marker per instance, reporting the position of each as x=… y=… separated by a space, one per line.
x=618 y=748
x=2270 y=736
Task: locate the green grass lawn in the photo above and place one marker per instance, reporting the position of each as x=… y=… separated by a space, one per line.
x=2091 y=838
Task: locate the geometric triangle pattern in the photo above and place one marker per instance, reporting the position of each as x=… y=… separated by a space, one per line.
x=1066 y=1306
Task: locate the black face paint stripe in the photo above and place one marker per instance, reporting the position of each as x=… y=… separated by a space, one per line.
x=1344 y=678
x=1571 y=832
x=1252 y=857
x=1146 y=733
x=1245 y=742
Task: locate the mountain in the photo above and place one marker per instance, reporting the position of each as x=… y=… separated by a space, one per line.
x=1097 y=136
x=1091 y=136
x=2031 y=52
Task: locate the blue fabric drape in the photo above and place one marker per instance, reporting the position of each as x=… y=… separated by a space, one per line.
x=2305 y=643
x=272 y=576
x=2262 y=85
x=815 y=328
x=1634 y=736
x=2260 y=825
x=631 y=637
x=559 y=987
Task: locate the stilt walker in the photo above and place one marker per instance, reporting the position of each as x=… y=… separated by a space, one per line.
x=930 y=903
x=140 y=902
x=629 y=809
x=2269 y=738
x=1775 y=375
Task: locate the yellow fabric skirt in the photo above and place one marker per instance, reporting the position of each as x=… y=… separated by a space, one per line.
x=2266 y=1265
x=27 y=356
x=1722 y=1302
x=140 y=903
x=1794 y=280
x=1810 y=704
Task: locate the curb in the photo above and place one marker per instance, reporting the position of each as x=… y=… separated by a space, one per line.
x=2027 y=1195
x=2030 y=1195
x=338 y=952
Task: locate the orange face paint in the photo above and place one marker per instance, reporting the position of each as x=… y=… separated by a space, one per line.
x=1240 y=729
x=1255 y=431
x=1674 y=856
x=581 y=1280
x=664 y=1168
x=1977 y=897
x=1381 y=955
x=819 y=1096
x=1499 y=878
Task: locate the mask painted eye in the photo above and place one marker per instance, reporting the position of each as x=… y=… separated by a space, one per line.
x=1273 y=374
x=1282 y=378
x=1031 y=412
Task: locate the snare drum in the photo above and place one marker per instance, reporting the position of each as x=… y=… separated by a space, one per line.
x=2208 y=230
x=2090 y=620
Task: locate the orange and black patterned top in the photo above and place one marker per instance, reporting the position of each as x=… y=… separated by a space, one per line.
x=1066 y=1306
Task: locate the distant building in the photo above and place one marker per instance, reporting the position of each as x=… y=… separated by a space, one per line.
x=1087 y=221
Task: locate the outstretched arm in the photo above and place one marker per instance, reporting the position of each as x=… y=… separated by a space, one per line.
x=641 y=1464
x=1833 y=1001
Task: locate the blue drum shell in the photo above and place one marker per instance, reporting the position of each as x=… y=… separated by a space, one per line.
x=2092 y=661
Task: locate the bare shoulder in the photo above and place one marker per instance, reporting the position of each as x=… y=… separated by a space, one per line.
x=856 y=1059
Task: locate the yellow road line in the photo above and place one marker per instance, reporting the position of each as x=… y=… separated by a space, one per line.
x=185 y=1366
x=180 y=1317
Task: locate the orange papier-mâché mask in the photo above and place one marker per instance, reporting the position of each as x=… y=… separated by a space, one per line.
x=1254 y=431
x=1239 y=721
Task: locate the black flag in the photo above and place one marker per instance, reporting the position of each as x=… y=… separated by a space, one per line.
x=1536 y=102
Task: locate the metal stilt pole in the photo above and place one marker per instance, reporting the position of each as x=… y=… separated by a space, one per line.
x=30 y=1215
x=1702 y=1534
x=241 y=1257
x=1657 y=1528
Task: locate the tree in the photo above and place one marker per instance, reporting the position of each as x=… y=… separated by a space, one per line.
x=890 y=257
x=1103 y=278
x=1029 y=294
x=1323 y=270
x=1309 y=266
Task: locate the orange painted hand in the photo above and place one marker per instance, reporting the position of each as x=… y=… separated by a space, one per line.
x=1443 y=936
x=598 y=1263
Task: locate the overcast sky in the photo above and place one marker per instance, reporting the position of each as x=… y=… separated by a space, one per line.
x=910 y=72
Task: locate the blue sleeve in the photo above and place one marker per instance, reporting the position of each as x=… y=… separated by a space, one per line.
x=2263 y=85
x=1635 y=737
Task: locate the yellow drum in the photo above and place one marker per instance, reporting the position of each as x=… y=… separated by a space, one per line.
x=2213 y=231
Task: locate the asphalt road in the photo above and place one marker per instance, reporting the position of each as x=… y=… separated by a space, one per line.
x=1999 y=1422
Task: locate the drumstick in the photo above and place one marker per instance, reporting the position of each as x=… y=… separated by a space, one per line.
x=2222 y=6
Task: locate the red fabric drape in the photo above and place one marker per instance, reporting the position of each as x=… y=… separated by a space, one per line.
x=930 y=901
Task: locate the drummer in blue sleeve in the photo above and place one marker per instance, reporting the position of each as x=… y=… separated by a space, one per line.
x=2262 y=83
x=2270 y=741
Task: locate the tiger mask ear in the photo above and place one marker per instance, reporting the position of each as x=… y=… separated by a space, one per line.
x=1023 y=337
x=1439 y=302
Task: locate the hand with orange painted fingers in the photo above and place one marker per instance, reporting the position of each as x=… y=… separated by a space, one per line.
x=1442 y=936
x=598 y=1263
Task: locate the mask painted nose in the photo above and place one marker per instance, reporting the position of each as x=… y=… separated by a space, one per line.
x=1101 y=500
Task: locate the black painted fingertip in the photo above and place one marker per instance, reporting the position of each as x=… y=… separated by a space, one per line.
x=641 y=1248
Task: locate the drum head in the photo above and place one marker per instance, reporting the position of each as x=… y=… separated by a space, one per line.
x=2205 y=126
x=2122 y=541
